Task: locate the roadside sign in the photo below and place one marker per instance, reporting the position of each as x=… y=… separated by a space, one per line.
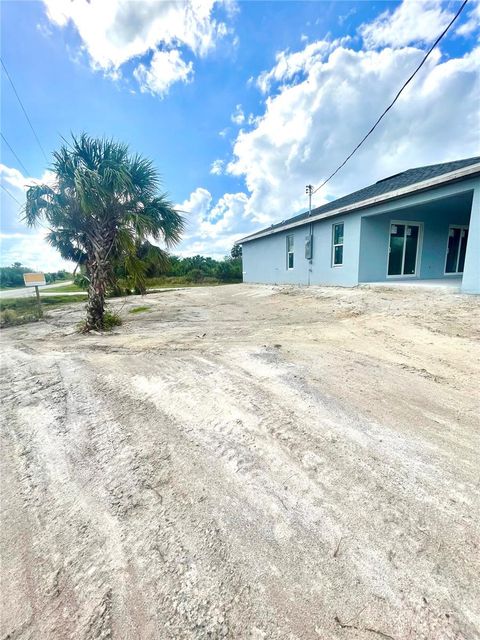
x=34 y=279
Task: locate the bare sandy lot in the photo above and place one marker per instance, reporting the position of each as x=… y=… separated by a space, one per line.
x=245 y=462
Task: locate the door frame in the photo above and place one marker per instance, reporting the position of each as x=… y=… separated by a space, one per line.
x=418 y=257
x=454 y=274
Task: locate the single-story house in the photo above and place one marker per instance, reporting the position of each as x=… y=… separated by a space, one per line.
x=421 y=224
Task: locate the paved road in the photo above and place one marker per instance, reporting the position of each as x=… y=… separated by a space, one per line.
x=28 y=291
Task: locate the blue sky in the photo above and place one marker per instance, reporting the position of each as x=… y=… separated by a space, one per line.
x=240 y=104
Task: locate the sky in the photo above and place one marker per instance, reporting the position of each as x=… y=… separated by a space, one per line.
x=239 y=104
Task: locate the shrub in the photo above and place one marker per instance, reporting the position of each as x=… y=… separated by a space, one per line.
x=8 y=317
x=11 y=317
x=117 y=291
x=229 y=270
x=81 y=281
x=111 y=319
x=195 y=275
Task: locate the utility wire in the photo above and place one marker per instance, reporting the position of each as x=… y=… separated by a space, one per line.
x=11 y=149
x=396 y=97
x=11 y=195
x=24 y=111
x=20 y=204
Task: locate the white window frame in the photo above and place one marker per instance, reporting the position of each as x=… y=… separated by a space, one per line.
x=292 y=252
x=418 y=257
x=339 y=244
x=453 y=273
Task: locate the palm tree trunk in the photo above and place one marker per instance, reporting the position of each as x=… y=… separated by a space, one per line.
x=97 y=272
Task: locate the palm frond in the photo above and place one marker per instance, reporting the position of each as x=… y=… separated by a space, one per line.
x=164 y=221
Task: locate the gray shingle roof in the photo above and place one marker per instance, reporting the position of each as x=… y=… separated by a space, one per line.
x=392 y=183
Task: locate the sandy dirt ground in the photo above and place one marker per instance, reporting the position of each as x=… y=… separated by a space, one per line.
x=245 y=462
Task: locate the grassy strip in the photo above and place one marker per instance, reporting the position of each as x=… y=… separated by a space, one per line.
x=153 y=283
x=29 y=303
x=184 y=281
x=21 y=310
x=138 y=309
x=66 y=288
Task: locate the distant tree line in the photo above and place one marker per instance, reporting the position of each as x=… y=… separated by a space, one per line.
x=13 y=276
x=157 y=264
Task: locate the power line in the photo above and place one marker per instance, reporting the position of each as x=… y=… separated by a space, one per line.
x=23 y=109
x=11 y=195
x=19 y=203
x=11 y=149
x=396 y=97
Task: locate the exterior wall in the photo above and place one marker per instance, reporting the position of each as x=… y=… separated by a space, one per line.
x=436 y=217
x=471 y=273
x=366 y=238
x=265 y=259
x=322 y=269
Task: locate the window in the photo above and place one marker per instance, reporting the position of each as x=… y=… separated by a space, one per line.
x=289 y=252
x=337 y=245
x=456 y=249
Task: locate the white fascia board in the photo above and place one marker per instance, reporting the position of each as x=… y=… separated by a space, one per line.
x=465 y=172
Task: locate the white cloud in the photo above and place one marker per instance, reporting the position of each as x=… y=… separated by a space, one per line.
x=238 y=117
x=473 y=20
x=414 y=21
x=33 y=251
x=217 y=168
x=288 y=64
x=212 y=228
x=18 y=242
x=316 y=118
x=117 y=31
x=13 y=177
x=44 y=30
x=345 y=17
x=16 y=179
x=197 y=207
x=226 y=217
x=166 y=68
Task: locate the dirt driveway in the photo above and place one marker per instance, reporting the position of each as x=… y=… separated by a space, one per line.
x=245 y=462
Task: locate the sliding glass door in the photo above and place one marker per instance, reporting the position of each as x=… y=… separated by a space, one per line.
x=456 y=249
x=404 y=249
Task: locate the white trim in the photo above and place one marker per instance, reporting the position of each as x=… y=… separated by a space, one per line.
x=454 y=273
x=418 y=256
x=334 y=224
x=385 y=197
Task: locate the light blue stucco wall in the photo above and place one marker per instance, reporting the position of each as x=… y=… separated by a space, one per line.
x=265 y=260
x=471 y=273
x=366 y=237
x=435 y=218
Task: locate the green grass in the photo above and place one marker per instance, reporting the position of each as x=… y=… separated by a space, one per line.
x=166 y=282
x=22 y=310
x=28 y=303
x=66 y=288
x=139 y=309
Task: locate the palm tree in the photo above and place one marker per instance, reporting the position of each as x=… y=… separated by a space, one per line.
x=103 y=204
